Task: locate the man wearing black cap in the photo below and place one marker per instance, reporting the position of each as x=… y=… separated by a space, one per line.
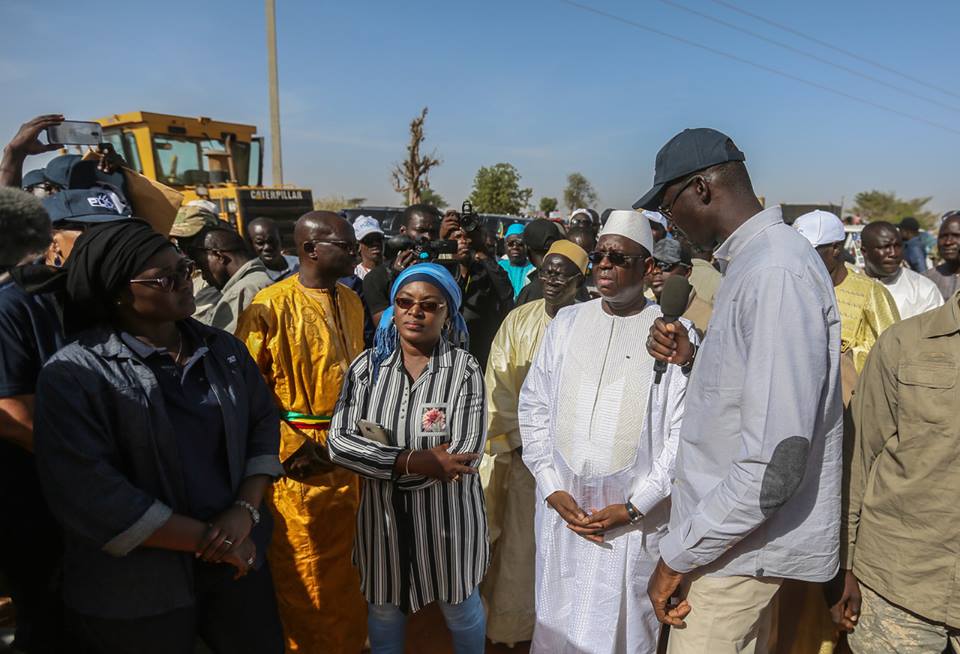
x=538 y=236
x=756 y=493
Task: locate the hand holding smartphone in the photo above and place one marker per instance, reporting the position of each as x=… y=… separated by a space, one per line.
x=75 y=132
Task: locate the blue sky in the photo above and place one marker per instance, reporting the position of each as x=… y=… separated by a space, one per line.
x=546 y=86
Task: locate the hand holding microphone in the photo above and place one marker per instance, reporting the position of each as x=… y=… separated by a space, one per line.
x=669 y=342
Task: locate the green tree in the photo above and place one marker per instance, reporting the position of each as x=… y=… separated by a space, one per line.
x=429 y=196
x=878 y=205
x=496 y=189
x=579 y=192
x=548 y=204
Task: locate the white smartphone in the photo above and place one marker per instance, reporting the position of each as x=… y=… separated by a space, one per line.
x=75 y=132
x=373 y=431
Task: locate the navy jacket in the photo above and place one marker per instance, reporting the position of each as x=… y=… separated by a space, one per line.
x=111 y=471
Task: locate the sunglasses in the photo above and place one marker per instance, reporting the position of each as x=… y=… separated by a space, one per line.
x=667 y=210
x=428 y=306
x=663 y=266
x=169 y=282
x=616 y=258
x=346 y=246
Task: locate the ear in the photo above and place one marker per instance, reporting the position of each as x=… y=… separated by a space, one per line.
x=702 y=188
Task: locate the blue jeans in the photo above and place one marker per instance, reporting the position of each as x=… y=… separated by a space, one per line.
x=466 y=621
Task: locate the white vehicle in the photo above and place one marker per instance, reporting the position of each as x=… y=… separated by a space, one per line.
x=852 y=244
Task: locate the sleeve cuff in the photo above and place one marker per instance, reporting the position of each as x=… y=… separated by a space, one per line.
x=846 y=556
x=125 y=542
x=645 y=497
x=548 y=481
x=674 y=555
x=265 y=464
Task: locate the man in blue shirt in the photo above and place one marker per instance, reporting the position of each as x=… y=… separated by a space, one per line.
x=914 y=247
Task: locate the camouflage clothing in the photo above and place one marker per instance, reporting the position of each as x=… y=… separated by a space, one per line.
x=887 y=629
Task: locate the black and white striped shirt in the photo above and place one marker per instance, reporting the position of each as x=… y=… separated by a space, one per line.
x=419 y=540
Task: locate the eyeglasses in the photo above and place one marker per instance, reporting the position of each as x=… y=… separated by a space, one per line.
x=371 y=241
x=428 y=306
x=663 y=266
x=346 y=246
x=616 y=258
x=668 y=209
x=167 y=283
x=551 y=275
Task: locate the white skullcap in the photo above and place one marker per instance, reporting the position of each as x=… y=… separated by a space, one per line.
x=629 y=224
x=577 y=212
x=820 y=228
x=657 y=217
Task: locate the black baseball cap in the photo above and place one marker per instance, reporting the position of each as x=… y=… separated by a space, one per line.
x=687 y=152
x=94 y=205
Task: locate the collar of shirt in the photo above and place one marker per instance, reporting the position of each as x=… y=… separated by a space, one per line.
x=144 y=351
x=946 y=321
x=442 y=357
x=745 y=233
x=249 y=268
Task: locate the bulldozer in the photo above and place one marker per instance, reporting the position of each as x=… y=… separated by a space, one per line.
x=207 y=159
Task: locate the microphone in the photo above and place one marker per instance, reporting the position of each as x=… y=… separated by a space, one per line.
x=673 y=302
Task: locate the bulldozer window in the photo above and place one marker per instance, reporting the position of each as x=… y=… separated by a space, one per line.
x=178 y=161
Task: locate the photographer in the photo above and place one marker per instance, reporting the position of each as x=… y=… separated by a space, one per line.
x=421 y=222
x=487 y=292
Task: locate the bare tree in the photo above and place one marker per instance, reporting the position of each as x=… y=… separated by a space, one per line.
x=411 y=176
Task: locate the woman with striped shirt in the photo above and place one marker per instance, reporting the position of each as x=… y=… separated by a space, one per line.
x=411 y=421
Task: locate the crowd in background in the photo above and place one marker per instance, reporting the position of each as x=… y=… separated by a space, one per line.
x=275 y=447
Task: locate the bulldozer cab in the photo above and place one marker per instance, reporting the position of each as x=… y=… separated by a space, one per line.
x=210 y=160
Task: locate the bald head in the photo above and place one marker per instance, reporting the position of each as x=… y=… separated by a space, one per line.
x=326 y=245
x=874 y=232
x=882 y=250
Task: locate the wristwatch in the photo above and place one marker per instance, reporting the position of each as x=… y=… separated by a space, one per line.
x=251 y=509
x=635 y=516
x=687 y=368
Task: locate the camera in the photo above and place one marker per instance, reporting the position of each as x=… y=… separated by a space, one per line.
x=423 y=250
x=469 y=219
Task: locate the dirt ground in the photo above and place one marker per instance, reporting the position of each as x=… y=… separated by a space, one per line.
x=427 y=634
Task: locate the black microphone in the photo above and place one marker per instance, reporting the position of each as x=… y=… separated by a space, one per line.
x=673 y=302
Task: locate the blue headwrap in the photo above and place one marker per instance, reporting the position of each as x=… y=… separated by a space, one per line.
x=386 y=339
x=514 y=229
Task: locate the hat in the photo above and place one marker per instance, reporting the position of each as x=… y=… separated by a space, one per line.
x=516 y=229
x=578 y=212
x=572 y=251
x=629 y=224
x=95 y=205
x=363 y=226
x=191 y=219
x=687 y=152
x=656 y=217
x=820 y=228
x=71 y=171
x=540 y=234
x=670 y=251
x=33 y=178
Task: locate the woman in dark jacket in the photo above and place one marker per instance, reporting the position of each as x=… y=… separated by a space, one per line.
x=156 y=440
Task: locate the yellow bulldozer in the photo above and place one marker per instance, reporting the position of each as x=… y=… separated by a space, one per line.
x=207 y=159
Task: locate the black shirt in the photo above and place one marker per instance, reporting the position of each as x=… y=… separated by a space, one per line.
x=30 y=333
x=195 y=415
x=487 y=299
x=376 y=288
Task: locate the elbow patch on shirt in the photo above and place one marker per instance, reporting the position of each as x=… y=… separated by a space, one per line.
x=783 y=474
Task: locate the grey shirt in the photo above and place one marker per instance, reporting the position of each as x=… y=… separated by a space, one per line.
x=757 y=484
x=250 y=279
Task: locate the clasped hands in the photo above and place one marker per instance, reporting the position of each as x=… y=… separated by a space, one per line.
x=591 y=526
x=227 y=540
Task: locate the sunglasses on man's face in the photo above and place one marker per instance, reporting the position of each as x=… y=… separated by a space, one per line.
x=618 y=259
x=427 y=306
x=167 y=283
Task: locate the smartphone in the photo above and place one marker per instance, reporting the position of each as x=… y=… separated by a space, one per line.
x=75 y=132
x=373 y=431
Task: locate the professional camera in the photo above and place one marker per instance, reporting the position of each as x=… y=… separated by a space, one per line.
x=469 y=219
x=423 y=250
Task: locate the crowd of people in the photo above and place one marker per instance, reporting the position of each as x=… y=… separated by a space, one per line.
x=206 y=438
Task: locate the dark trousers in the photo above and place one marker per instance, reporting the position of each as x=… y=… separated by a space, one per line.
x=30 y=554
x=230 y=617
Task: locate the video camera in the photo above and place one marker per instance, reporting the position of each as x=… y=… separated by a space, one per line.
x=440 y=250
x=469 y=219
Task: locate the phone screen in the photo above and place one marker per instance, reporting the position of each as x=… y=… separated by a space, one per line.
x=75 y=132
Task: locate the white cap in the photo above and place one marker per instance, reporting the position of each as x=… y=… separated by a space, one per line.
x=577 y=212
x=630 y=224
x=820 y=227
x=656 y=217
x=363 y=226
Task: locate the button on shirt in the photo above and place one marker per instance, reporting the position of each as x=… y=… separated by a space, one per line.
x=757 y=484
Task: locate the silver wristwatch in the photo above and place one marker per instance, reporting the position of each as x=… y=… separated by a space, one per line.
x=254 y=514
x=635 y=516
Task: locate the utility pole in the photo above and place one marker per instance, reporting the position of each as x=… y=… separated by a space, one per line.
x=276 y=158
